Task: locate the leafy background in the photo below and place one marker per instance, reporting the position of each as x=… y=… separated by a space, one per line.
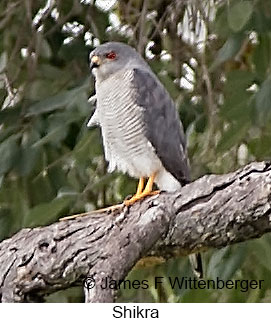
x=213 y=56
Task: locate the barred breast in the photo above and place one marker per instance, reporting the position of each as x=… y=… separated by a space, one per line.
x=121 y=119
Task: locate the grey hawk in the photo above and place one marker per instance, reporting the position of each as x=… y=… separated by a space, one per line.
x=141 y=130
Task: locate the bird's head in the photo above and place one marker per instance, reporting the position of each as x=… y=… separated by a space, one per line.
x=109 y=58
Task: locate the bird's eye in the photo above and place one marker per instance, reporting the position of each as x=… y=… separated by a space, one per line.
x=111 y=55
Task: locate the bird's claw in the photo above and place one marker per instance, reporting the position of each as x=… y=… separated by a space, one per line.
x=138 y=197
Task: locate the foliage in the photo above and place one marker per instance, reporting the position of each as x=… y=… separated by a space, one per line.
x=214 y=57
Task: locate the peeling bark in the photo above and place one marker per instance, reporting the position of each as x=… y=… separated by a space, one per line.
x=214 y=211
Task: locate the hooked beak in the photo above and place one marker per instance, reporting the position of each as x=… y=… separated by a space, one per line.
x=95 y=61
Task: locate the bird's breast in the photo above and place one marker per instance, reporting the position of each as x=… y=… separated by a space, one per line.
x=122 y=124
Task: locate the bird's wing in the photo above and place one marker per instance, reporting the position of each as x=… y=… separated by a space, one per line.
x=162 y=125
x=94 y=120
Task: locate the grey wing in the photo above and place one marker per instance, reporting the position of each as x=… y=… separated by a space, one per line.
x=162 y=124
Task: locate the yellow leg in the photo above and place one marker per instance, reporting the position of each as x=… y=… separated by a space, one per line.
x=147 y=191
x=106 y=209
x=140 y=194
x=140 y=186
x=149 y=185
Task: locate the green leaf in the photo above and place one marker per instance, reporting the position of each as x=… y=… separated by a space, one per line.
x=5 y=223
x=260 y=248
x=88 y=147
x=101 y=21
x=41 y=189
x=19 y=199
x=241 y=112
x=76 y=49
x=262 y=56
x=220 y=24
x=52 y=73
x=54 y=137
x=49 y=104
x=28 y=158
x=228 y=50
x=263 y=100
x=58 y=177
x=238 y=79
x=3 y=61
x=45 y=50
x=260 y=147
x=201 y=123
x=198 y=296
x=10 y=116
x=9 y=150
x=40 y=90
x=169 y=84
x=238 y=106
x=226 y=261
x=28 y=154
x=66 y=7
x=58 y=127
x=65 y=99
x=233 y=135
x=261 y=20
x=46 y=213
x=239 y=14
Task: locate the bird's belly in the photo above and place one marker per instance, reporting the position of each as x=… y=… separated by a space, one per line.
x=126 y=147
x=137 y=158
x=125 y=144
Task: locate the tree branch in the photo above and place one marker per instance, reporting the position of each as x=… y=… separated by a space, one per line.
x=214 y=211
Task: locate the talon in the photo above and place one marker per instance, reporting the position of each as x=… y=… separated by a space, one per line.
x=140 y=193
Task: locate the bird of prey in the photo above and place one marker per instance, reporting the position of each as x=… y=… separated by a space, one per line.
x=141 y=130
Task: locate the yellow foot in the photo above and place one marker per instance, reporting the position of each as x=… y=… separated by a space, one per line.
x=138 y=197
x=140 y=194
x=106 y=209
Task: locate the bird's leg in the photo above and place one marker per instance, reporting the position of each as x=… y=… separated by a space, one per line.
x=148 y=187
x=141 y=194
x=140 y=186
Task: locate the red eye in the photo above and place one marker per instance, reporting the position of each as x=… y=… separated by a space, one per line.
x=111 y=55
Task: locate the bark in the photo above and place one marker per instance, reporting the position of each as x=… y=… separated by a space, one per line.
x=214 y=211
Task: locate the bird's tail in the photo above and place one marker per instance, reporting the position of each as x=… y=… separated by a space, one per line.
x=196 y=263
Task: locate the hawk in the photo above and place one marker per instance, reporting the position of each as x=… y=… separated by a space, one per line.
x=141 y=130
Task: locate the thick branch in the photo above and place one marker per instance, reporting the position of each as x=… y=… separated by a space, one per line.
x=214 y=211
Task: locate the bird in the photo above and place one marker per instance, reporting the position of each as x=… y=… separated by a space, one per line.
x=141 y=130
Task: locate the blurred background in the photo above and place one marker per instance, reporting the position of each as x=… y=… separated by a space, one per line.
x=214 y=57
